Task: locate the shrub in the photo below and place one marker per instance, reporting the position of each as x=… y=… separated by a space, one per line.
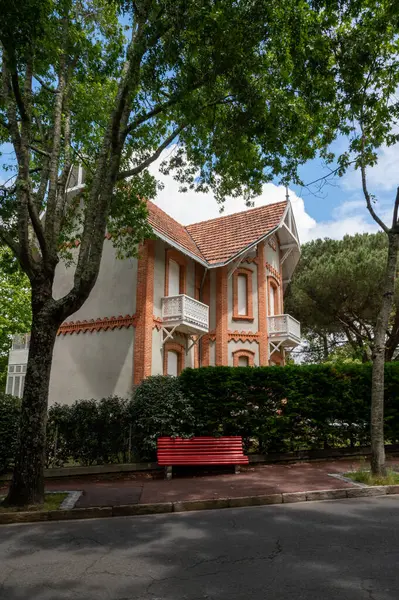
x=9 y=420
x=290 y=408
x=158 y=408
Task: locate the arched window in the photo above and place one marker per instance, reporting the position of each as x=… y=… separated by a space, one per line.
x=244 y=358
x=175 y=273
x=173 y=358
x=242 y=295
x=274 y=299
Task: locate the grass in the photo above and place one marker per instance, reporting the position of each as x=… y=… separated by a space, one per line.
x=365 y=476
x=51 y=502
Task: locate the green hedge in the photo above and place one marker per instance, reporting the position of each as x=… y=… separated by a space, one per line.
x=290 y=408
x=274 y=408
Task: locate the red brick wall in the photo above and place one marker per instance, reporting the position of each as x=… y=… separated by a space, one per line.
x=144 y=312
x=221 y=317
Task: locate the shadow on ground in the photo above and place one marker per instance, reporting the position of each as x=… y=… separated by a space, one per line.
x=344 y=549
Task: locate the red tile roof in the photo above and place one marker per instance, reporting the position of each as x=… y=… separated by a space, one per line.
x=165 y=225
x=219 y=240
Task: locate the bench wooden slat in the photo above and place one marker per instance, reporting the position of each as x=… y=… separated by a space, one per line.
x=226 y=450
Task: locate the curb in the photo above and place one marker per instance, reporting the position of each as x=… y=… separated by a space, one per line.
x=130 y=510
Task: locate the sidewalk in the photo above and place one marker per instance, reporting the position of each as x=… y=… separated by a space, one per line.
x=256 y=480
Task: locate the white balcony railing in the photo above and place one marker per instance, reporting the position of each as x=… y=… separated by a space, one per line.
x=185 y=312
x=284 y=328
x=20 y=341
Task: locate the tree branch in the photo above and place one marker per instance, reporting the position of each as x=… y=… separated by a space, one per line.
x=40 y=151
x=366 y=192
x=11 y=243
x=45 y=86
x=148 y=161
x=395 y=210
x=38 y=227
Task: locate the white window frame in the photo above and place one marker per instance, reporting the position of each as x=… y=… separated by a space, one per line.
x=16 y=378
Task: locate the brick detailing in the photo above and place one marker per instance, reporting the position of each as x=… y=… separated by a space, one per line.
x=248 y=274
x=157 y=322
x=206 y=299
x=262 y=311
x=101 y=324
x=243 y=336
x=273 y=271
x=144 y=312
x=199 y=272
x=237 y=354
x=180 y=351
x=221 y=317
x=172 y=254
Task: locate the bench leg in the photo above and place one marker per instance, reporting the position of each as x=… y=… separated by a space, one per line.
x=236 y=469
x=168 y=473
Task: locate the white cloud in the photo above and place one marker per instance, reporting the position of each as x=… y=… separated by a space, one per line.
x=384 y=176
x=192 y=207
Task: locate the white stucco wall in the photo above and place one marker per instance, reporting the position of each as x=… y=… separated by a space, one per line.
x=92 y=365
x=114 y=293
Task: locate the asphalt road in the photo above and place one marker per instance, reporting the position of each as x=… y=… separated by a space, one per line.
x=346 y=549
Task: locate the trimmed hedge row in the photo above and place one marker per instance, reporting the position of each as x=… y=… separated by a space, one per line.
x=275 y=409
x=291 y=408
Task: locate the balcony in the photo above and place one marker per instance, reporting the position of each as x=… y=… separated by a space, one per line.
x=185 y=314
x=284 y=330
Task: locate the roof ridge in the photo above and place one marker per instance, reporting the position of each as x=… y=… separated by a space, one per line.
x=239 y=212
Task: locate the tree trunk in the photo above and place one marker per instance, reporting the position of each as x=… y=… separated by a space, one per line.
x=27 y=486
x=377 y=385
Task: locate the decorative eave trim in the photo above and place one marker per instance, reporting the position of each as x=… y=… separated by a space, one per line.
x=97 y=324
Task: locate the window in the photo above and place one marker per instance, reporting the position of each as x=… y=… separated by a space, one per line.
x=273 y=298
x=174 y=278
x=243 y=358
x=243 y=361
x=16 y=380
x=173 y=358
x=242 y=295
x=175 y=273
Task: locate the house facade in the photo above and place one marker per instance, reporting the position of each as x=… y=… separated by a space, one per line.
x=211 y=293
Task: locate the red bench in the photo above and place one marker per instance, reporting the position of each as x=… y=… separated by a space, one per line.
x=200 y=451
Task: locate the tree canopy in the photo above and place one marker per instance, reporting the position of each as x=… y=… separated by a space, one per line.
x=336 y=294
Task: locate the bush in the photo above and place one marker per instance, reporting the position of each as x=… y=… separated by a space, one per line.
x=290 y=408
x=88 y=432
x=158 y=408
x=9 y=420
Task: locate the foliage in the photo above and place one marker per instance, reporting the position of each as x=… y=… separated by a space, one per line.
x=9 y=414
x=336 y=294
x=159 y=408
x=15 y=311
x=365 y=476
x=275 y=409
x=88 y=432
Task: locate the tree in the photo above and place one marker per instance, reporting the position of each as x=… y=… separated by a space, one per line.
x=235 y=87
x=15 y=313
x=336 y=294
x=366 y=43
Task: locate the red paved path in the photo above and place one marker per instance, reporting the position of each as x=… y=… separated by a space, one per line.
x=252 y=481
